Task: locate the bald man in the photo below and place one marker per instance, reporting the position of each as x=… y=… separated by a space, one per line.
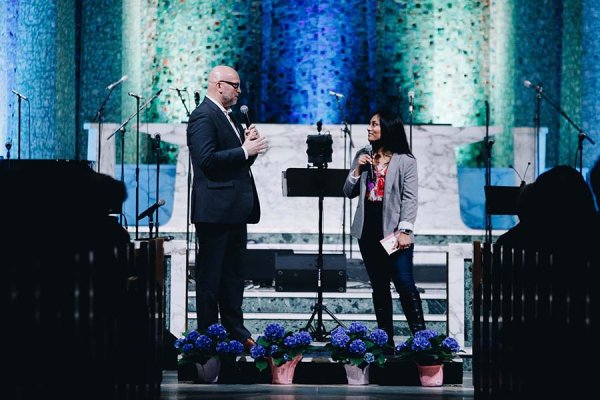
x=224 y=200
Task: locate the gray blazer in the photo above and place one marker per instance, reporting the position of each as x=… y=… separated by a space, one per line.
x=400 y=200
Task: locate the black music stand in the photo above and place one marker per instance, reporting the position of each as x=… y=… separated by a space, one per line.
x=316 y=182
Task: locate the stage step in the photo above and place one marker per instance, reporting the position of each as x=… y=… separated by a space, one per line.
x=265 y=302
x=294 y=309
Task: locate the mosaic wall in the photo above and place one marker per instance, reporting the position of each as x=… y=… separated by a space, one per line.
x=587 y=82
x=461 y=58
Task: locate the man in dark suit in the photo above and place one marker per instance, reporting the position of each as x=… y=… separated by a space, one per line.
x=224 y=200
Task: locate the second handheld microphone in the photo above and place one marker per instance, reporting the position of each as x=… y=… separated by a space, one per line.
x=369 y=149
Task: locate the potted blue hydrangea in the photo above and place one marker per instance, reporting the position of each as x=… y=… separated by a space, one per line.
x=427 y=347
x=429 y=351
x=357 y=345
x=203 y=352
x=280 y=349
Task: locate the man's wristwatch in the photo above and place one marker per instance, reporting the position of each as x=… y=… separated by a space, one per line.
x=407 y=231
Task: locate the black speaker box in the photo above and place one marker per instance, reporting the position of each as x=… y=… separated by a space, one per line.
x=259 y=265
x=298 y=273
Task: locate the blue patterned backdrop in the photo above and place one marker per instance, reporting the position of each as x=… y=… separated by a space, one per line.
x=455 y=56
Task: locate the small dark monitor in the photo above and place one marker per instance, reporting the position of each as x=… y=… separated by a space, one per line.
x=319 y=149
x=502 y=200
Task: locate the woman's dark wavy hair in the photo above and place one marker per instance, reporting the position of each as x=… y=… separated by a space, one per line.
x=393 y=135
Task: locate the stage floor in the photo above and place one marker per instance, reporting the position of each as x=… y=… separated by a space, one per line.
x=171 y=389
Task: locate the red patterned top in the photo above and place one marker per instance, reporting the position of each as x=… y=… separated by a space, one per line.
x=375 y=189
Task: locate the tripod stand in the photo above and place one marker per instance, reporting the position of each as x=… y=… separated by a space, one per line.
x=320 y=182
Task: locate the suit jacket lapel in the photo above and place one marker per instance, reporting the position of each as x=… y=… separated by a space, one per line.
x=224 y=118
x=392 y=175
x=238 y=126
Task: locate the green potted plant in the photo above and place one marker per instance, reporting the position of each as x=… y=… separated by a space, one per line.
x=201 y=353
x=429 y=350
x=357 y=348
x=281 y=350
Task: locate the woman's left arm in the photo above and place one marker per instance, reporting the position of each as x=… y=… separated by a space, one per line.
x=408 y=202
x=409 y=199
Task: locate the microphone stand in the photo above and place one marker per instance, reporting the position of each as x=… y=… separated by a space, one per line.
x=100 y=118
x=121 y=128
x=157 y=148
x=137 y=169
x=347 y=155
x=488 y=172
x=19 y=129
x=537 y=122
x=581 y=136
x=151 y=224
x=410 y=125
x=189 y=187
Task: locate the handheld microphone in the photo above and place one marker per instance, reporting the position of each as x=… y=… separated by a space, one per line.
x=411 y=101
x=336 y=94
x=197 y=98
x=369 y=149
x=137 y=96
x=150 y=210
x=20 y=95
x=530 y=85
x=244 y=110
x=117 y=83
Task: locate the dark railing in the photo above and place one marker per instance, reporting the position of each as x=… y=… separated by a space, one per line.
x=532 y=323
x=82 y=305
x=88 y=327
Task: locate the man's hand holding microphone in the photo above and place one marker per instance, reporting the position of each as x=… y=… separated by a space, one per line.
x=254 y=143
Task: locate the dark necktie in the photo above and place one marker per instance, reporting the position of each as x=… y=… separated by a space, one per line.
x=230 y=115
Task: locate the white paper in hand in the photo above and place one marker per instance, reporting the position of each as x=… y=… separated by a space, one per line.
x=389 y=242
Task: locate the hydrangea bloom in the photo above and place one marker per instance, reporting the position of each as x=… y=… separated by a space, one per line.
x=258 y=351
x=222 y=347
x=279 y=346
x=340 y=340
x=236 y=347
x=451 y=344
x=198 y=347
x=379 y=337
x=358 y=329
x=216 y=331
x=357 y=346
x=204 y=343
x=274 y=332
x=427 y=347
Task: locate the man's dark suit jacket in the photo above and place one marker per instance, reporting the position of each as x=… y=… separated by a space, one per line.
x=223 y=187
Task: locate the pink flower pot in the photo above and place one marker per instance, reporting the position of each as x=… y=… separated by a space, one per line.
x=356 y=375
x=284 y=374
x=431 y=375
x=209 y=371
